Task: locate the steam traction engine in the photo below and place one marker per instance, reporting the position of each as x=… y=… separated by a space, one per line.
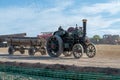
x=73 y=41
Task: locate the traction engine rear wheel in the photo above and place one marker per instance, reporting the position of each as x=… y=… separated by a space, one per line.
x=91 y=50
x=54 y=46
x=77 y=51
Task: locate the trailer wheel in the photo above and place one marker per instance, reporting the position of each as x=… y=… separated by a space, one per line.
x=91 y=50
x=43 y=51
x=77 y=51
x=22 y=50
x=31 y=51
x=11 y=50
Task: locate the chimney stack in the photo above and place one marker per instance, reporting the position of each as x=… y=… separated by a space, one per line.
x=84 y=27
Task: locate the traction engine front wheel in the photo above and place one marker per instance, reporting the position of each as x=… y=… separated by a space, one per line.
x=77 y=51
x=91 y=50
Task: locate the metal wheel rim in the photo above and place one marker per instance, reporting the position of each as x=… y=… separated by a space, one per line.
x=31 y=51
x=91 y=51
x=77 y=50
x=43 y=51
x=51 y=42
x=59 y=48
x=11 y=50
x=22 y=50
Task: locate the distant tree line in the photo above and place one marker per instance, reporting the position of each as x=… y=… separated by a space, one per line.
x=106 y=39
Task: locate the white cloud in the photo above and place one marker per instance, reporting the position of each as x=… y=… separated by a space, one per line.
x=35 y=20
x=31 y=20
x=101 y=17
x=100 y=22
x=110 y=7
x=111 y=31
x=13 y=14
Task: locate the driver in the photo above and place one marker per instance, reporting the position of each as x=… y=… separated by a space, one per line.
x=60 y=28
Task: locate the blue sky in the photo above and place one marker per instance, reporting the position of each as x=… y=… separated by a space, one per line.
x=36 y=16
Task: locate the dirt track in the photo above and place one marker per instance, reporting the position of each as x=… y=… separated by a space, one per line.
x=107 y=56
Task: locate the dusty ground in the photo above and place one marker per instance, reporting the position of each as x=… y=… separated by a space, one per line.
x=107 y=56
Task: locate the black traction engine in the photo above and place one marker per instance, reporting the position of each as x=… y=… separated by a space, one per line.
x=71 y=41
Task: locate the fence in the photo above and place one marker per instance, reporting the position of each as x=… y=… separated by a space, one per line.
x=22 y=73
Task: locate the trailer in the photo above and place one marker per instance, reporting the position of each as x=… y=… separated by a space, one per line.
x=3 y=42
x=32 y=44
